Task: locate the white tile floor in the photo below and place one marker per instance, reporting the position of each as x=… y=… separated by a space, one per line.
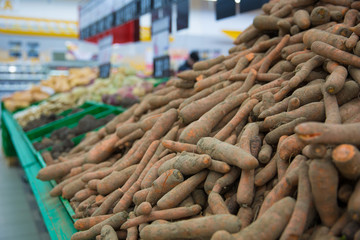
x=20 y=217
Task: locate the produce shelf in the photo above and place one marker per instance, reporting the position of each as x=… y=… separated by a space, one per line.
x=53 y=210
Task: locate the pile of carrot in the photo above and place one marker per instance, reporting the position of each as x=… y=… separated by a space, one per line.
x=260 y=144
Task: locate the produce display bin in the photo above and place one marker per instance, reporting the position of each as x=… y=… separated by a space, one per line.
x=55 y=211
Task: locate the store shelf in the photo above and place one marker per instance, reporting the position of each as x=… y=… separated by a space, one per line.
x=56 y=211
x=53 y=210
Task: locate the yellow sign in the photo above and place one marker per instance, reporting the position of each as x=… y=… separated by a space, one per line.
x=232 y=34
x=38 y=27
x=6 y=5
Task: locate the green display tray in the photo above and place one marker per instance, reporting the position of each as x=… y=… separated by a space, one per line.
x=55 y=211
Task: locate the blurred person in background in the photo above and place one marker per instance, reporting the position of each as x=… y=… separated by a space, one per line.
x=188 y=64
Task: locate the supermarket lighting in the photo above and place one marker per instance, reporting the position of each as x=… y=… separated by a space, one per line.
x=237 y=1
x=12 y=69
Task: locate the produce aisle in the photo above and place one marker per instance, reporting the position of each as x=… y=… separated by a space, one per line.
x=20 y=217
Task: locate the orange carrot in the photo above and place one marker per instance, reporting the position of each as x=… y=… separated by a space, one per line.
x=179 y=147
x=203 y=227
x=314 y=151
x=346 y=158
x=297 y=223
x=143 y=209
x=181 y=191
x=109 y=201
x=206 y=64
x=337 y=55
x=353 y=204
x=242 y=113
x=114 y=221
x=276 y=219
x=202 y=127
x=227 y=153
x=140 y=196
x=291 y=146
x=217 y=204
x=167 y=214
x=324 y=183
x=218 y=166
x=273 y=54
x=226 y=180
x=164 y=183
x=87 y=223
x=286 y=129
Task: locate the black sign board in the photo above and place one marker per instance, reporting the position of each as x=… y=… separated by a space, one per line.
x=161 y=67
x=104 y=70
x=248 y=5
x=225 y=8
x=182 y=20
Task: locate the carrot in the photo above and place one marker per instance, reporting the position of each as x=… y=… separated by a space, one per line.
x=181 y=191
x=286 y=129
x=350 y=229
x=274 y=220
x=291 y=146
x=241 y=114
x=350 y=18
x=86 y=203
x=206 y=64
x=336 y=229
x=83 y=194
x=152 y=174
x=312 y=132
x=305 y=70
x=297 y=223
x=132 y=233
x=110 y=127
x=227 y=153
x=199 y=197
x=108 y=233
x=267 y=173
x=115 y=180
x=242 y=63
x=226 y=180
x=210 y=181
x=345 y=192
x=273 y=54
x=283 y=12
x=263 y=22
x=281 y=190
x=295 y=29
x=346 y=158
x=143 y=209
x=211 y=80
x=319 y=15
x=272 y=84
x=56 y=191
x=187 y=202
x=196 y=109
x=302 y=19
x=312 y=112
x=189 y=75
x=349 y=109
x=102 y=150
x=324 y=183
x=163 y=184
x=314 y=151
x=335 y=54
x=247 y=35
x=186 y=163
x=132 y=185
x=87 y=223
x=353 y=204
x=308 y=93
x=109 y=201
x=293 y=104
x=280 y=67
x=114 y=221
x=265 y=153
x=58 y=170
x=140 y=196
x=179 y=147
x=334 y=40
x=203 y=227
x=203 y=93
x=167 y=214
x=331 y=107
x=159 y=101
x=336 y=80
x=302 y=58
x=202 y=127
x=217 y=204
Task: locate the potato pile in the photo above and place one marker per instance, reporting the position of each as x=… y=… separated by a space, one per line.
x=260 y=144
x=76 y=77
x=23 y=99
